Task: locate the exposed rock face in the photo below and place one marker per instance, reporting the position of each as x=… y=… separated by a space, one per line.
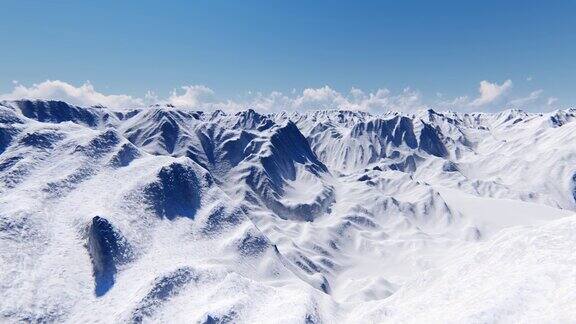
x=108 y=249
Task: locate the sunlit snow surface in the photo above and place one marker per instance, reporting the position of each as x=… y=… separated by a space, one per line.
x=172 y=215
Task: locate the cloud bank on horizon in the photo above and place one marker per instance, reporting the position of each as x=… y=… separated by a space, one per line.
x=491 y=96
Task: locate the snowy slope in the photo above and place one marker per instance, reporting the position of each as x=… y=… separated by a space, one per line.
x=171 y=215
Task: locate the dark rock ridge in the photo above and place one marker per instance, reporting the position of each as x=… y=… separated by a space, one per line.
x=176 y=192
x=108 y=249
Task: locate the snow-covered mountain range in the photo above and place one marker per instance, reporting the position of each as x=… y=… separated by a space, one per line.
x=163 y=214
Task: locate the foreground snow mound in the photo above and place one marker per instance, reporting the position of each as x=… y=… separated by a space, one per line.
x=525 y=274
x=170 y=215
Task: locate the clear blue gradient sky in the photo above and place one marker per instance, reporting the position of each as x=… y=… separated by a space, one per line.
x=131 y=47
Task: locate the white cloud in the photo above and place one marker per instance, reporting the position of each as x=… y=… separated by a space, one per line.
x=84 y=95
x=193 y=97
x=525 y=101
x=380 y=100
x=356 y=93
x=273 y=101
x=492 y=96
x=495 y=97
x=325 y=97
x=310 y=98
x=490 y=92
x=551 y=101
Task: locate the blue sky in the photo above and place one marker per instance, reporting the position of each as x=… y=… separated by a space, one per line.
x=440 y=50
